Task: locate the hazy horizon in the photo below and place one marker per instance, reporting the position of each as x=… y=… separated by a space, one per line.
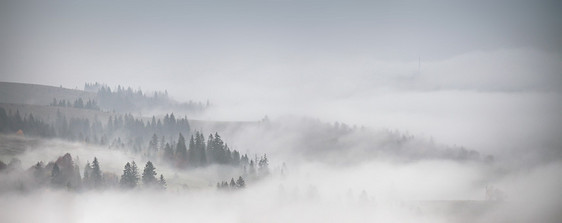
x=482 y=75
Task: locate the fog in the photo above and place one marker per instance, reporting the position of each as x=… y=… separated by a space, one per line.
x=377 y=190
x=368 y=110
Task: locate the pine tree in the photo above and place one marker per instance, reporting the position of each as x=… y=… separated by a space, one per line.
x=162 y=182
x=192 y=153
x=227 y=155
x=220 y=151
x=181 y=152
x=232 y=183
x=263 y=166
x=134 y=174
x=153 y=144
x=87 y=171
x=244 y=160
x=162 y=143
x=252 y=170
x=197 y=156
x=240 y=182
x=200 y=148
x=168 y=152
x=149 y=175
x=235 y=158
x=211 y=149
x=126 y=180
x=56 y=175
x=96 y=174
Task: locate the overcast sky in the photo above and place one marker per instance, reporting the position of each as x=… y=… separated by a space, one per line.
x=169 y=43
x=490 y=71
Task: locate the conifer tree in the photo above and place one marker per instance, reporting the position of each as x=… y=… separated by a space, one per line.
x=240 y=182
x=252 y=170
x=211 y=149
x=162 y=182
x=235 y=158
x=96 y=174
x=162 y=143
x=168 y=152
x=181 y=151
x=134 y=174
x=149 y=175
x=153 y=144
x=87 y=171
x=55 y=175
x=192 y=153
x=126 y=178
x=263 y=165
x=200 y=149
x=220 y=151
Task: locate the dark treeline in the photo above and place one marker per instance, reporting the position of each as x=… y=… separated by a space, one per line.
x=78 y=103
x=124 y=99
x=198 y=153
x=233 y=185
x=65 y=173
x=153 y=139
x=129 y=132
x=15 y=123
x=119 y=131
x=130 y=178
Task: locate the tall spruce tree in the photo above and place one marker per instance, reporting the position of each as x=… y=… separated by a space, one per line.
x=192 y=153
x=162 y=182
x=134 y=174
x=87 y=171
x=153 y=144
x=211 y=149
x=126 y=178
x=235 y=158
x=149 y=175
x=96 y=174
x=200 y=148
x=168 y=152
x=181 y=152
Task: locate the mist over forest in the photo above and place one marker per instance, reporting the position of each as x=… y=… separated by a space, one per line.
x=280 y=111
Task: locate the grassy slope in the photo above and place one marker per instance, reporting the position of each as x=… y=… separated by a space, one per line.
x=49 y=113
x=19 y=93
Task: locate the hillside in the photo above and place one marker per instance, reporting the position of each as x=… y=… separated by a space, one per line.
x=34 y=94
x=49 y=113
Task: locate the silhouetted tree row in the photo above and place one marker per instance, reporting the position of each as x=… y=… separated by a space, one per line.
x=78 y=103
x=130 y=177
x=119 y=131
x=257 y=167
x=199 y=153
x=28 y=125
x=233 y=185
x=128 y=100
x=130 y=132
x=64 y=173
